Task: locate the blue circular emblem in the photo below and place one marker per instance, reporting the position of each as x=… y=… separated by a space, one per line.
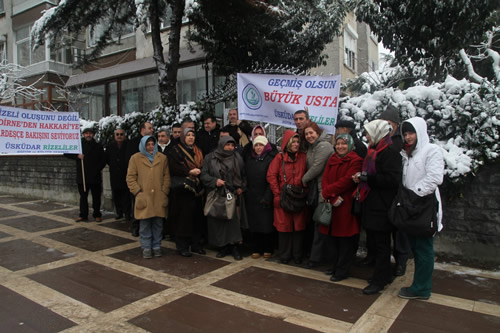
x=251 y=97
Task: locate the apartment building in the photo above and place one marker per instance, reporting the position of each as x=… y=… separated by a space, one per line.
x=124 y=78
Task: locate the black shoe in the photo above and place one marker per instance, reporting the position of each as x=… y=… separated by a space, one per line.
x=311 y=264
x=199 y=251
x=118 y=216
x=297 y=261
x=222 y=252
x=400 y=270
x=236 y=253
x=186 y=254
x=368 y=261
x=135 y=232
x=284 y=261
x=337 y=278
x=372 y=289
x=407 y=294
x=331 y=271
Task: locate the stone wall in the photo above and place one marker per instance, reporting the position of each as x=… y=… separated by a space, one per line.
x=45 y=177
x=472 y=221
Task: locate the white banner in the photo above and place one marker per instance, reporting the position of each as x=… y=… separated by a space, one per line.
x=32 y=132
x=275 y=98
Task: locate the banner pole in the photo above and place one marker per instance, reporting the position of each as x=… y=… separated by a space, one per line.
x=83 y=177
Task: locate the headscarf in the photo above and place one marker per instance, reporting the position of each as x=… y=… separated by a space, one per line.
x=348 y=139
x=378 y=129
x=191 y=155
x=380 y=134
x=253 y=131
x=229 y=163
x=184 y=134
x=142 y=147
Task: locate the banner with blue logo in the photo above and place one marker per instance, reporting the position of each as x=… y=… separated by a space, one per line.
x=24 y=132
x=274 y=99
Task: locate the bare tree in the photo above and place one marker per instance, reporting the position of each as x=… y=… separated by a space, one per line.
x=12 y=84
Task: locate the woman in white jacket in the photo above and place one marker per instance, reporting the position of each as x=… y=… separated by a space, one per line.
x=423 y=169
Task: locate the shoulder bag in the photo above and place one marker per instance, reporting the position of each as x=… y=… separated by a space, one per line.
x=292 y=197
x=413 y=214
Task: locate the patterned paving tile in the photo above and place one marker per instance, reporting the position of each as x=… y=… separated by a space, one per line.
x=466 y=286
x=13 y=200
x=33 y=223
x=20 y=254
x=7 y=212
x=19 y=314
x=101 y=287
x=426 y=317
x=72 y=214
x=88 y=239
x=42 y=206
x=172 y=263
x=323 y=298
x=121 y=225
x=193 y=313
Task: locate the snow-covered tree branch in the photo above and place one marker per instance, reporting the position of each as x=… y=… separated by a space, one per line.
x=11 y=84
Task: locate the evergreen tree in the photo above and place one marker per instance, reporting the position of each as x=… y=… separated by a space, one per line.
x=239 y=34
x=432 y=31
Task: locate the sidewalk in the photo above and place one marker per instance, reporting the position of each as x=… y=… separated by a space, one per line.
x=58 y=275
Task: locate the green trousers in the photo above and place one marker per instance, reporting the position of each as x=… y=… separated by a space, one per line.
x=423 y=252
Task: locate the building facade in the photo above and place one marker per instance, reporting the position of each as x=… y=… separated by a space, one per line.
x=124 y=78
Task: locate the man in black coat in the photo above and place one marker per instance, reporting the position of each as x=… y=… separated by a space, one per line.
x=240 y=130
x=93 y=163
x=208 y=136
x=116 y=158
x=164 y=141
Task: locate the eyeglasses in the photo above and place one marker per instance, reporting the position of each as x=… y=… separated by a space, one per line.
x=119 y=134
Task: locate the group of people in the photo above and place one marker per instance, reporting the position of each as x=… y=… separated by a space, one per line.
x=169 y=179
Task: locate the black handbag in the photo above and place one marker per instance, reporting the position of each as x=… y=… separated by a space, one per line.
x=312 y=196
x=292 y=197
x=414 y=214
x=356 y=205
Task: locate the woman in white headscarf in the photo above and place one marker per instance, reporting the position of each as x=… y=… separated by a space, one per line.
x=378 y=185
x=423 y=169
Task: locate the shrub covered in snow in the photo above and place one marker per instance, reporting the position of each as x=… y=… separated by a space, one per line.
x=463 y=118
x=131 y=123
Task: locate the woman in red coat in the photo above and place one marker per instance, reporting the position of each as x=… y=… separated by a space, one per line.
x=290 y=226
x=338 y=187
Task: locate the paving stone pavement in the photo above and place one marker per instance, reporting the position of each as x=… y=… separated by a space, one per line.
x=57 y=275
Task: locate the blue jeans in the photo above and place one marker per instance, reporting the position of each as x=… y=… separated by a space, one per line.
x=150 y=232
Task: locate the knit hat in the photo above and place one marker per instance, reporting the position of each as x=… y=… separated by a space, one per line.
x=408 y=127
x=345 y=123
x=391 y=113
x=260 y=139
x=88 y=129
